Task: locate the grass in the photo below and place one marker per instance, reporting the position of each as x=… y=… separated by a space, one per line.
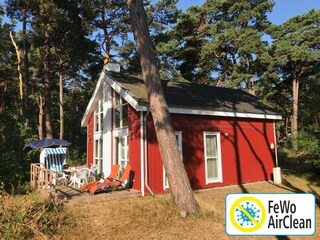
x=157 y=218
x=36 y=217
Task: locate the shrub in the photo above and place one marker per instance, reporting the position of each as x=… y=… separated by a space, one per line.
x=28 y=217
x=309 y=147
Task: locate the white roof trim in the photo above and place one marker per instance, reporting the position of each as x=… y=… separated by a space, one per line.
x=223 y=114
x=93 y=100
x=124 y=94
x=134 y=103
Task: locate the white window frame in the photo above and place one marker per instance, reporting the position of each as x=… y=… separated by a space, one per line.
x=166 y=183
x=98 y=156
x=219 y=163
x=122 y=104
x=98 y=116
x=98 y=137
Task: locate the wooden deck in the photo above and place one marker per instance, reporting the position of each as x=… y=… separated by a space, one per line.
x=43 y=180
x=73 y=196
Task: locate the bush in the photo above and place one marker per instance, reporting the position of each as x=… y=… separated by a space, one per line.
x=28 y=217
x=309 y=147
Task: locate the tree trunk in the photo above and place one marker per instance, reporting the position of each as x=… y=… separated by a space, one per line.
x=47 y=90
x=251 y=87
x=18 y=52
x=40 y=118
x=295 y=102
x=61 y=99
x=178 y=180
x=26 y=108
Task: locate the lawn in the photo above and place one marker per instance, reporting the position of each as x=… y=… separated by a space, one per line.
x=156 y=217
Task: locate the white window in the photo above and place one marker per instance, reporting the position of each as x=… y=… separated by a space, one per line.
x=212 y=155
x=122 y=152
x=120 y=112
x=98 y=117
x=165 y=178
x=98 y=154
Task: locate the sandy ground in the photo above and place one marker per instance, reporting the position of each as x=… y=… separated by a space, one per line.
x=156 y=217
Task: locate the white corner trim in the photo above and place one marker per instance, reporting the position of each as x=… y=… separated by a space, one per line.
x=275 y=143
x=142 y=153
x=93 y=100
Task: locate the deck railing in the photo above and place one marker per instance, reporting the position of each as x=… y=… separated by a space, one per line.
x=41 y=177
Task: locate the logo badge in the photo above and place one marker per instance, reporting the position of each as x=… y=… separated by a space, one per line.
x=270 y=214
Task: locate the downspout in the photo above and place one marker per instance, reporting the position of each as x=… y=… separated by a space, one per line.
x=275 y=143
x=146 y=153
x=142 y=152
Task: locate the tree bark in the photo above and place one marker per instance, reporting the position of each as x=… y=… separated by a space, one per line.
x=18 y=52
x=295 y=102
x=252 y=91
x=178 y=180
x=40 y=118
x=61 y=98
x=47 y=90
x=26 y=108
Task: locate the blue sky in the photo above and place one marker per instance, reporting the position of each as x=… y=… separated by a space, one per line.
x=283 y=9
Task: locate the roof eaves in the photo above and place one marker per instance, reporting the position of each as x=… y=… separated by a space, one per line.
x=90 y=107
x=224 y=114
x=125 y=94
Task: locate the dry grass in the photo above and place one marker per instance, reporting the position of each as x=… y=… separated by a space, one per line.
x=156 y=217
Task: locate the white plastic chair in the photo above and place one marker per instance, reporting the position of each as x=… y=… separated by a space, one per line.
x=83 y=175
x=92 y=171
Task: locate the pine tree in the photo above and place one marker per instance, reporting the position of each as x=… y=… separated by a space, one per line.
x=294 y=56
x=179 y=183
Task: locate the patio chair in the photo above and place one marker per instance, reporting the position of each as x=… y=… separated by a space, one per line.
x=120 y=182
x=92 y=171
x=114 y=172
x=58 y=178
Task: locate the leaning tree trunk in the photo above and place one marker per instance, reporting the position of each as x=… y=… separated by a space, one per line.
x=295 y=102
x=178 y=180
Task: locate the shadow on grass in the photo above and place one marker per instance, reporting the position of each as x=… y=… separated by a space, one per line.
x=289 y=187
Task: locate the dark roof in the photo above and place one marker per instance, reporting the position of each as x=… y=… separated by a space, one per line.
x=194 y=96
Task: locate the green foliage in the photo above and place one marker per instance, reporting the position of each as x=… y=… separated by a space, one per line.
x=28 y=217
x=220 y=41
x=309 y=146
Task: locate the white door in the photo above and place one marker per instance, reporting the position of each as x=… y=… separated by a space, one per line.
x=122 y=152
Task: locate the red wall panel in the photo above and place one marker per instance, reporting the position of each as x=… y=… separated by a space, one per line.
x=245 y=150
x=134 y=147
x=90 y=140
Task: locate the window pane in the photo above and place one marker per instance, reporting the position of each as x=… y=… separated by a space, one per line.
x=125 y=115
x=96 y=142
x=212 y=168
x=101 y=105
x=96 y=121
x=116 y=99
x=211 y=145
x=117 y=117
x=101 y=121
x=122 y=148
x=100 y=149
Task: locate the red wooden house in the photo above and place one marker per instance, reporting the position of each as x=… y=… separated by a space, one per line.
x=226 y=136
